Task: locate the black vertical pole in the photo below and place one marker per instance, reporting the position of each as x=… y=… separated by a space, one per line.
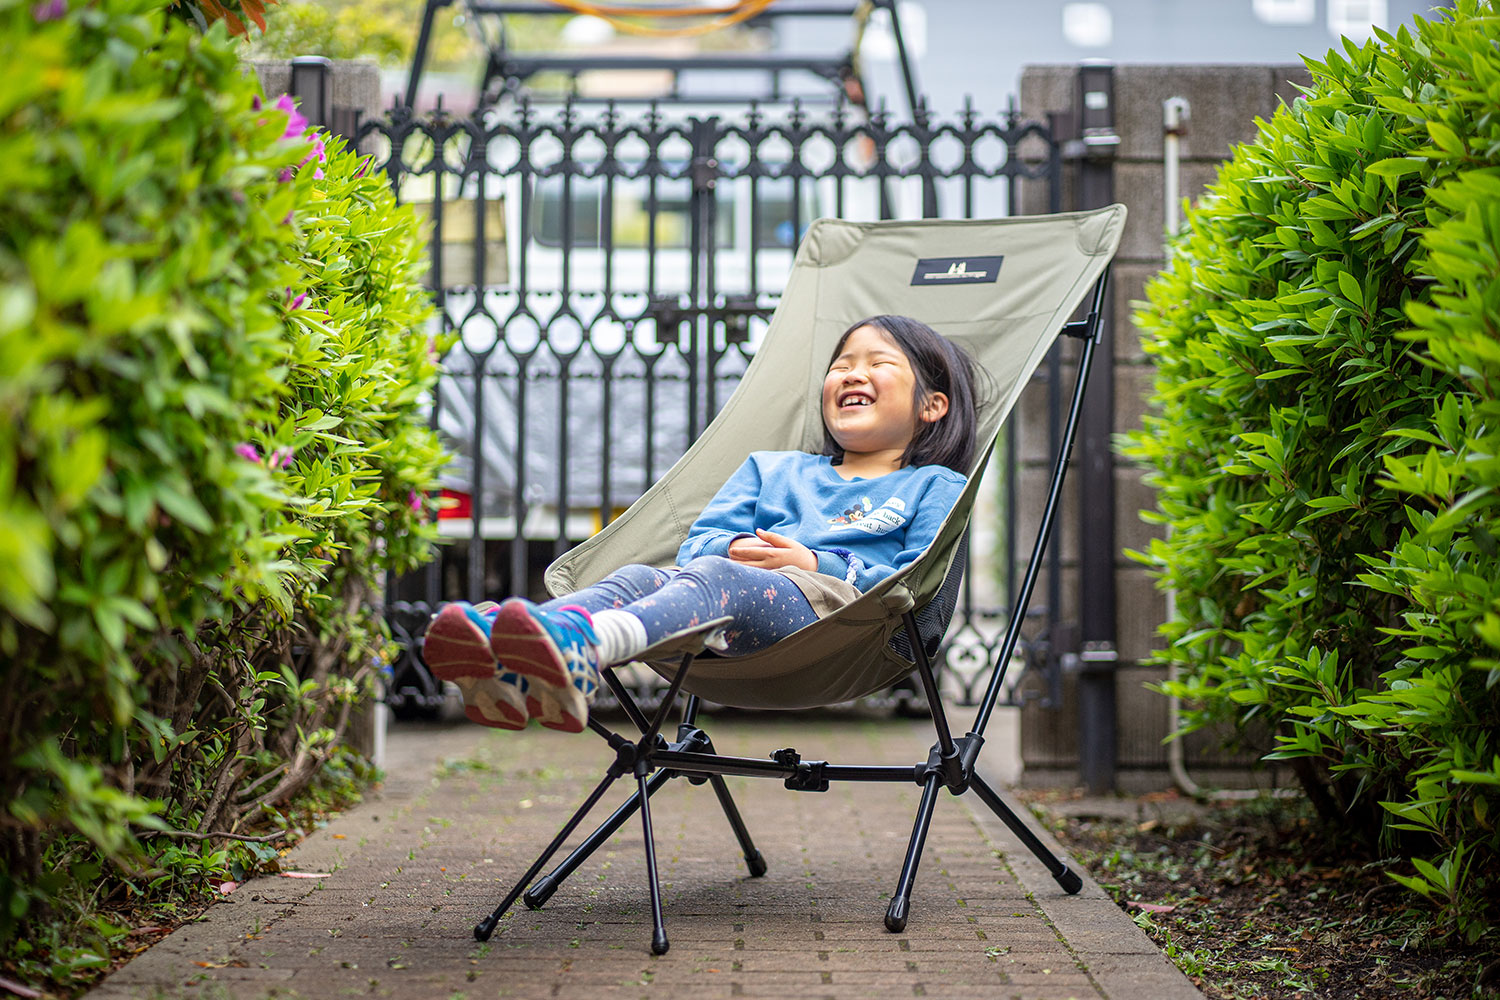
x=1096 y=557
x=419 y=58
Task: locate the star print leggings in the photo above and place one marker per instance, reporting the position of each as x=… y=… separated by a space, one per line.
x=765 y=606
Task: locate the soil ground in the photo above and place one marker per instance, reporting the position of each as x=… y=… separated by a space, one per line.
x=1257 y=900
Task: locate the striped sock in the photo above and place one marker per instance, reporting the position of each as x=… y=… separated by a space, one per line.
x=621 y=636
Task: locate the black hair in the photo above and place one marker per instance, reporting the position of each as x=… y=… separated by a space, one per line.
x=939 y=366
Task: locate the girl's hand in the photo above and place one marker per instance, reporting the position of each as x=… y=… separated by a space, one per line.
x=769 y=550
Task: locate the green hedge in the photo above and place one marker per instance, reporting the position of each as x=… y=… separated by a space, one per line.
x=212 y=368
x=1325 y=443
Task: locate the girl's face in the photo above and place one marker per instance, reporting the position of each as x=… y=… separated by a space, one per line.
x=867 y=396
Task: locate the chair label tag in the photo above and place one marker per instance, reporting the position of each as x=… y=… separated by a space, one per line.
x=956 y=270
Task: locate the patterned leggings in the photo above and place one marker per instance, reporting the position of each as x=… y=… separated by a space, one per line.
x=765 y=606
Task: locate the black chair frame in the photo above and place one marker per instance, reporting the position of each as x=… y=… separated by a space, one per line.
x=653 y=760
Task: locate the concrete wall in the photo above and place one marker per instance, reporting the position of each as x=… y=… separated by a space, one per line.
x=1224 y=101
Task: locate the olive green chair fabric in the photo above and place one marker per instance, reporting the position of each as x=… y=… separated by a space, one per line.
x=1002 y=288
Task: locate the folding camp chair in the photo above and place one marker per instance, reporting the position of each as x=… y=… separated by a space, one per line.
x=1004 y=289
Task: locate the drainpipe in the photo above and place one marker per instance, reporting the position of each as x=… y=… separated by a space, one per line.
x=1175 y=115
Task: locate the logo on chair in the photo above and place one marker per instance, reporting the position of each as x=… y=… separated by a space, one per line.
x=956 y=270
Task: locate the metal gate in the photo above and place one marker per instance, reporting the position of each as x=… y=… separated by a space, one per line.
x=609 y=278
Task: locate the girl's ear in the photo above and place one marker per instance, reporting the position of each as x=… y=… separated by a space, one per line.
x=934 y=408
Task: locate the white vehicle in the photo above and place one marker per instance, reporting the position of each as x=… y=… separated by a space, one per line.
x=572 y=366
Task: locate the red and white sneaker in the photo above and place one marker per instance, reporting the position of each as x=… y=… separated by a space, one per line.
x=557 y=653
x=457 y=649
x=457 y=644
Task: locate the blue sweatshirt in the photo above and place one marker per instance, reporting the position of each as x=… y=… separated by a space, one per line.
x=861 y=530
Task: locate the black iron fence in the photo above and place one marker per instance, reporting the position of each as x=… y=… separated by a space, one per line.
x=609 y=279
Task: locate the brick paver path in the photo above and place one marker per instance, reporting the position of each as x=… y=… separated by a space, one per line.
x=412 y=870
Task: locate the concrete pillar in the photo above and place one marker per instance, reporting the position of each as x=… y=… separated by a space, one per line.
x=353 y=94
x=1224 y=101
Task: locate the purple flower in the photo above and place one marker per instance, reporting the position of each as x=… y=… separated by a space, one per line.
x=295 y=303
x=281 y=458
x=319 y=153
x=50 y=10
x=414 y=500
x=296 y=123
x=247 y=451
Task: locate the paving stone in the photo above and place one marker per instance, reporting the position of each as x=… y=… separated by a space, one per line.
x=414 y=867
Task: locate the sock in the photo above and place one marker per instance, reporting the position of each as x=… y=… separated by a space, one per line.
x=621 y=636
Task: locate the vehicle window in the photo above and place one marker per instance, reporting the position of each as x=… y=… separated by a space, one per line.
x=631 y=214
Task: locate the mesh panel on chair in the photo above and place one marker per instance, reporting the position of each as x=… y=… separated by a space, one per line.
x=933 y=618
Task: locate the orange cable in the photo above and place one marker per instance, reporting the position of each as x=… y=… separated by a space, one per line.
x=733 y=15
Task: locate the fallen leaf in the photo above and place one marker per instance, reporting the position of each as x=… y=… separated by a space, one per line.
x=1152 y=907
x=146 y=930
x=18 y=989
x=211 y=965
x=305 y=874
x=1148 y=826
x=227 y=887
x=338 y=836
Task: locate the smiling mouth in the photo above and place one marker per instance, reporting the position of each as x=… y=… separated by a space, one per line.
x=855 y=399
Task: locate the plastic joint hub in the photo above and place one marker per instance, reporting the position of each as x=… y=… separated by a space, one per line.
x=954 y=770
x=809 y=776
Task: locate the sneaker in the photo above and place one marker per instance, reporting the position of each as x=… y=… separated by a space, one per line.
x=557 y=652
x=498 y=701
x=457 y=649
x=457 y=644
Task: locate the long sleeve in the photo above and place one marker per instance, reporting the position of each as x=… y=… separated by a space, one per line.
x=729 y=515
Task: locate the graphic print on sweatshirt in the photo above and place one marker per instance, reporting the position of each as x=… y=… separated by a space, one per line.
x=874 y=521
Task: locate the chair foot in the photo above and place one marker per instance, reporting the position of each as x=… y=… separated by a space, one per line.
x=1069 y=880
x=756 y=863
x=536 y=897
x=895 y=915
x=485 y=928
x=659 y=943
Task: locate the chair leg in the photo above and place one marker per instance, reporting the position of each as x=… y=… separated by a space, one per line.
x=659 y=943
x=753 y=859
x=486 y=927
x=1066 y=878
x=543 y=888
x=895 y=914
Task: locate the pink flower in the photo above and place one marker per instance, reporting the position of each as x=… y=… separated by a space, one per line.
x=247 y=451
x=296 y=123
x=320 y=152
x=414 y=500
x=281 y=458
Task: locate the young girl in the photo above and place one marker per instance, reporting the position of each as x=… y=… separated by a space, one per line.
x=787 y=530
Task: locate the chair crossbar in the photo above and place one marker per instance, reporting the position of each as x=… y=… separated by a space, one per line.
x=653 y=762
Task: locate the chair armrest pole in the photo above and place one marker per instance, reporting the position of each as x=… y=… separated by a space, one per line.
x=667 y=701
x=1049 y=515
x=622 y=695
x=929 y=685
